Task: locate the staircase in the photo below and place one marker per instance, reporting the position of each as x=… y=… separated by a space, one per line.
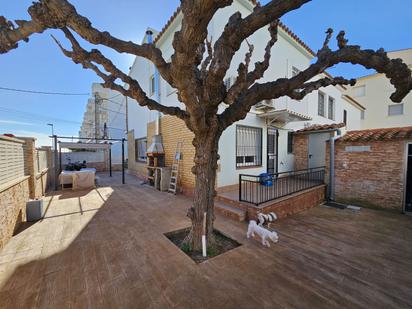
x=230 y=207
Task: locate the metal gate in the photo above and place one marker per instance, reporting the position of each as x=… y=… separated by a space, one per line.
x=272 y=150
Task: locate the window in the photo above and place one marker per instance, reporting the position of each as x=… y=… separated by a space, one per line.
x=295 y=71
x=359 y=91
x=331 y=108
x=229 y=81
x=362 y=115
x=290 y=142
x=395 y=110
x=345 y=117
x=248 y=146
x=152 y=85
x=321 y=104
x=140 y=149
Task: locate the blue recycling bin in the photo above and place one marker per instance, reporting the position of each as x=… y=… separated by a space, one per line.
x=266 y=180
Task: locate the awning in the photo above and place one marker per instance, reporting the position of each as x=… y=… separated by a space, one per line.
x=73 y=145
x=284 y=116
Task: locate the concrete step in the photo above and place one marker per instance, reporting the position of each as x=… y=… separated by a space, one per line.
x=230 y=201
x=230 y=211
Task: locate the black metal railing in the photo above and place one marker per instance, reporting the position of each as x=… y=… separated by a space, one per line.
x=267 y=187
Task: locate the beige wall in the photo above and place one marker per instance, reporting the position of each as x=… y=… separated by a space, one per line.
x=174 y=130
x=376 y=98
x=13 y=198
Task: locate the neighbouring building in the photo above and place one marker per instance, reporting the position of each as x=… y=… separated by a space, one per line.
x=373 y=92
x=373 y=168
x=263 y=141
x=105 y=117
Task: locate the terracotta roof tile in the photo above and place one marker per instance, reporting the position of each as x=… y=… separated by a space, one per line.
x=382 y=134
x=281 y=25
x=321 y=127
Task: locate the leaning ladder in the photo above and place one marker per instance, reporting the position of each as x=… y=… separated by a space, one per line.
x=175 y=168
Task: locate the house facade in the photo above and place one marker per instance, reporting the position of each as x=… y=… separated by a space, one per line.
x=263 y=141
x=373 y=92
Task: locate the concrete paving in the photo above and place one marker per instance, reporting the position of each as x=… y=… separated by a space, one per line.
x=105 y=248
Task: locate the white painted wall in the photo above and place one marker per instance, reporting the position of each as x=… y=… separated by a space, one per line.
x=377 y=90
x=286 y=53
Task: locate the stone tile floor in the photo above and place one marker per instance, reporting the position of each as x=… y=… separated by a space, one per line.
x=105 y=248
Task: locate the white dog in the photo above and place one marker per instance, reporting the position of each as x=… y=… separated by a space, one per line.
x=267 y=219
x=262 y=232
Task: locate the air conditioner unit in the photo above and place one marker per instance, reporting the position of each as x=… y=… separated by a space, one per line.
x=266 y=104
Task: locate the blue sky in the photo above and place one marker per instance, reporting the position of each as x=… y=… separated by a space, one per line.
x=39 y=65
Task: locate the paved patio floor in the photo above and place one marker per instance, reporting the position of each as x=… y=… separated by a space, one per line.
x=105 y=248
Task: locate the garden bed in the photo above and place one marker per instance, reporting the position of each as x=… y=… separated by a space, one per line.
x=222 y=245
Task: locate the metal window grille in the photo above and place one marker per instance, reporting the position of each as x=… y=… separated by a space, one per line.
x=248 y=146
x=321 y=104
x=141 y=146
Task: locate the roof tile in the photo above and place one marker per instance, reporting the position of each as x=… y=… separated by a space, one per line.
x=381 y=134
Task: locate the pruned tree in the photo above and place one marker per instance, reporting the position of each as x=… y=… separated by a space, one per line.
x=197 y=70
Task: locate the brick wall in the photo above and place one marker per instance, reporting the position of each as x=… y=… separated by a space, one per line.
x=291 y=204
x=300 y=150
x=174 y=130
x=372 y=178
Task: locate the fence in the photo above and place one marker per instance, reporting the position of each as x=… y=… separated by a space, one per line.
x=24 y=173
x=267 y=187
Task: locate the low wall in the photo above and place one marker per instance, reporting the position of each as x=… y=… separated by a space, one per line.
x=13 y=198
x=41 y=181
x=370 y=174
x=291 y=204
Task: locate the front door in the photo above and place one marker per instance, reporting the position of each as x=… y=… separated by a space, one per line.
x=317 y=149
x=408 y=195
x=272 y=151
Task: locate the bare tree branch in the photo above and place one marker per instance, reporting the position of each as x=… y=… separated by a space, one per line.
x=238 y=29
x=89 y=61
x=315 y=85
x=245 y=79
x=55 y=14
x=395 y=70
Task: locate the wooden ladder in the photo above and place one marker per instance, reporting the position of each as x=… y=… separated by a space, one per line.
x=174 y=177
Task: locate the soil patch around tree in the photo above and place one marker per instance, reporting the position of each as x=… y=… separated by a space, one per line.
x=222 y=245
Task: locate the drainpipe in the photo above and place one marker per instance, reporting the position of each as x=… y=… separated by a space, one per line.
x=331 y=195
x=149 y=34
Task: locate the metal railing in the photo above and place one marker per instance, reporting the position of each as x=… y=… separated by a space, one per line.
x=267 y=187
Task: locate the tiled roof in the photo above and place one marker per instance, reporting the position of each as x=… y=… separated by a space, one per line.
x=382 y=134
x=321 y=127
x=281 y=25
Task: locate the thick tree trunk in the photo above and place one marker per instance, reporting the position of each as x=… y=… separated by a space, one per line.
x=206 y=156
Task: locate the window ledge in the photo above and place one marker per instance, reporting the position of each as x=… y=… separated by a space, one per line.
x=247 y=167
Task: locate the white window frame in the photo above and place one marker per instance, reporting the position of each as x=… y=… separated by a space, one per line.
x=359 y=91
x=257 y=155
x=331 y=116
x=320 y=93
x=143 y=157
x=152 y=85
x=396 y=105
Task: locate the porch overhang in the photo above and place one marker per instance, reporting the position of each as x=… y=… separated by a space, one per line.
x=284 y=116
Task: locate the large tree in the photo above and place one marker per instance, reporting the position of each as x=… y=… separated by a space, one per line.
x=197 y=70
